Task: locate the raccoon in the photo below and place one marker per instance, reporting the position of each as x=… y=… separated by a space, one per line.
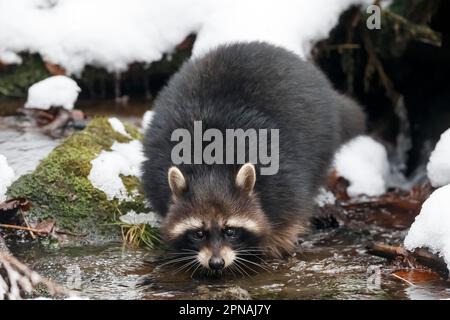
x=221 y=215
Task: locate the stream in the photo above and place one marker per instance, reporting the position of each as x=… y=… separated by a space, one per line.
x=327 y=265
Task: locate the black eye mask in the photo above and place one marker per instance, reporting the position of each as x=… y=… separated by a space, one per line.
x=234 y=237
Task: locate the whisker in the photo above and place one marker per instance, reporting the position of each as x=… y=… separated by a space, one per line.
x=252 y=262
x=233 y=267
x=181 y=258
x=198 y=266
x=237 y=264
x=184 y=251
x=177 y=254
x=184 y=266
x=192 y=266
x=229 y=268
x=252 y=255
x=250 y=250
x=248 y=267
x=256 y=254
x=177 y=260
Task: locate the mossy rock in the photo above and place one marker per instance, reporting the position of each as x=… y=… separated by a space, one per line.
x=59 y=188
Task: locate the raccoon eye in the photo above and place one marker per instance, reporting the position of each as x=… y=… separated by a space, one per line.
x=230 y=232
x=198 y=234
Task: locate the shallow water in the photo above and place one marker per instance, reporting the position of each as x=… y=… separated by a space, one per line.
x=328 y=265
x=331 y=265
x=23 y=145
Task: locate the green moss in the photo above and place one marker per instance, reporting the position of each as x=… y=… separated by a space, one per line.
x=16 y=79
x=59 y=187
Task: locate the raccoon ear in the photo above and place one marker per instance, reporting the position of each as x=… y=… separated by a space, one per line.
x=177 y=182
x=246 y=178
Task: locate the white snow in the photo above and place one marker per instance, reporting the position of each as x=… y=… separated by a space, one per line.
x=123 y=159
x=324 y=197
x=438 y=167
x=9 y=57
x=364 y=163
x=6 y=177
x=150 y=218
x=293 y=24
x=147 y=119
x=118 y=126
x=56 y=91
x=431 y=229
x=115 y=33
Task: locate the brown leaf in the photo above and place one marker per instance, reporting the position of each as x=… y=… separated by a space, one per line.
x=15 y=203
x=45 y=226
x=55 y=69
x=338 y=186
x=417 y=276
x=395 y=209
x=186 y=44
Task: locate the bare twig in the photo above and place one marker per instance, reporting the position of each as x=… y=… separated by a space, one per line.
x=17 y=280
x=403 y=279
x=33 y=236
x=388 y=85
x=420 y=257
x=386 y=251
x=418 y=32
x=12 y=226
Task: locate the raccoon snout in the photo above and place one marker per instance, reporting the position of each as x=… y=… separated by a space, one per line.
x=216 y=263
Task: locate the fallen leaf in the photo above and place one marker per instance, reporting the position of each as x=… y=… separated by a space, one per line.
x=338 y=186
x=45 y=226
x=55 y=69
x=417 y=276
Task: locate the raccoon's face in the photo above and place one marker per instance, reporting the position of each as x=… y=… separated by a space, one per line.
x=216 y=230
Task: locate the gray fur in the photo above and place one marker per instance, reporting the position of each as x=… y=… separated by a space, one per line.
x=252 y=85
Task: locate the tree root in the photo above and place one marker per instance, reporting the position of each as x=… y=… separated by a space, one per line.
x=17 y=281
x=417 y=259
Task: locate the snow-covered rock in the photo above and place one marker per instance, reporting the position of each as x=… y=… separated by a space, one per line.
x=115 y=33
x=438 y=167
x=74 y=202
x=147 y=119
x=56 y=91
x=6 y=177
x=364 y=163
x=123 y=159
x=431 y=229
x=118 y=126
x=324 y=197
x=150 y=218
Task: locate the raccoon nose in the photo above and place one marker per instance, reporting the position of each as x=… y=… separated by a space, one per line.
x=216 y=263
